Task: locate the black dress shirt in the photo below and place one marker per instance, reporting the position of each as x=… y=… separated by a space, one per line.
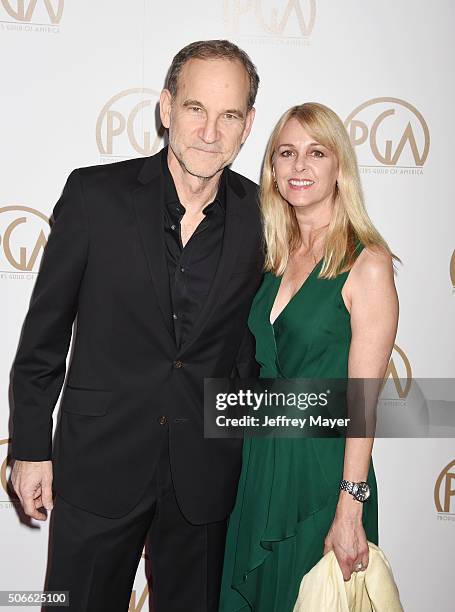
x=191 y=267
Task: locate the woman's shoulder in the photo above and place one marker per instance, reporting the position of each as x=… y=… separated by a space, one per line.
x=372 y=263
x=371 y=277
x=371 y=274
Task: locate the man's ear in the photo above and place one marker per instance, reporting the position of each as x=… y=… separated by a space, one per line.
x=165 y=107
x=248 y=123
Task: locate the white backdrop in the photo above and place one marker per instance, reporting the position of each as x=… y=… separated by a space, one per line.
x=79 y=83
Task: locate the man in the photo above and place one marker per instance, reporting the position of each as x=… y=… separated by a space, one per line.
x=160 y=259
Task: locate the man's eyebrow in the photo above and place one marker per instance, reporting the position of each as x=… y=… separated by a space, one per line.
x=193 y=103
x=234 y=111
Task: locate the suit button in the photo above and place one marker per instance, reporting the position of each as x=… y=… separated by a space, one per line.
x=163 y=420
x=178 y=364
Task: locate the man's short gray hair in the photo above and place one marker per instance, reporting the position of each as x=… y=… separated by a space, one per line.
x=213 y=49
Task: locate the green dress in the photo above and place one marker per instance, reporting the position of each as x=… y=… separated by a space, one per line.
x=288 y=488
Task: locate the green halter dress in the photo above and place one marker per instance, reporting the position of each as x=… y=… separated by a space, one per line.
x=289 y=487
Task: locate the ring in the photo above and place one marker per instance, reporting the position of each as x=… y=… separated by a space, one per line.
x=359 y=567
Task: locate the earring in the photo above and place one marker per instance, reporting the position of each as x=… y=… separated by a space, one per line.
x=274 y=178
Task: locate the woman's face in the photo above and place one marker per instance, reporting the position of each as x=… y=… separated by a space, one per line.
x=305 y=171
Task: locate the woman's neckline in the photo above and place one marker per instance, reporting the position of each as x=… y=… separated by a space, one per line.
x=272 y=323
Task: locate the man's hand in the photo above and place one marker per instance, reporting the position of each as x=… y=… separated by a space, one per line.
x=32 y=481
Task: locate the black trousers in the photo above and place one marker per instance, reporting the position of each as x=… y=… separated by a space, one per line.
x=95 y=558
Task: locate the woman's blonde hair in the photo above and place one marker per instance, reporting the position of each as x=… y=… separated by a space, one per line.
x=349 y=222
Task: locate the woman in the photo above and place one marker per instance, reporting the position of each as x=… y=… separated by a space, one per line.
x=327 y=308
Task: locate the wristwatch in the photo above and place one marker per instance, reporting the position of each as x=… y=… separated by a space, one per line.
x=359 y=490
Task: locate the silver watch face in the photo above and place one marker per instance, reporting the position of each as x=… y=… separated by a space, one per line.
x=363 y=491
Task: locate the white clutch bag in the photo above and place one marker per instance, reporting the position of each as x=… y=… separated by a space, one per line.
x=373 y=590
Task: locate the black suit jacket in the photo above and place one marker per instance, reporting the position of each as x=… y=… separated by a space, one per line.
x=105 y=262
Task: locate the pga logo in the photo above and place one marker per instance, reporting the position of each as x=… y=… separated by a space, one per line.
x=389 y=132
x=23 y=237
x=270 y=18
x=127 y=124
x=34 y=10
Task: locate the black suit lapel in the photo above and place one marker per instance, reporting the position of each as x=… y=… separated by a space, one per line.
x=148 y=206
x=233 y=237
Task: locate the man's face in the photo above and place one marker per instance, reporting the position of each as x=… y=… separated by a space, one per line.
x=208 y=120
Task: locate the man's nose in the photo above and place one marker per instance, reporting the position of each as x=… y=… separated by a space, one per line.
x=209 y=131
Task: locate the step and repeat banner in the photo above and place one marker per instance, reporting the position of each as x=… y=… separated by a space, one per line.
x=80 y=82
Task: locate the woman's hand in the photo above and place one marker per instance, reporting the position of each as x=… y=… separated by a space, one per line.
x=347 y=538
